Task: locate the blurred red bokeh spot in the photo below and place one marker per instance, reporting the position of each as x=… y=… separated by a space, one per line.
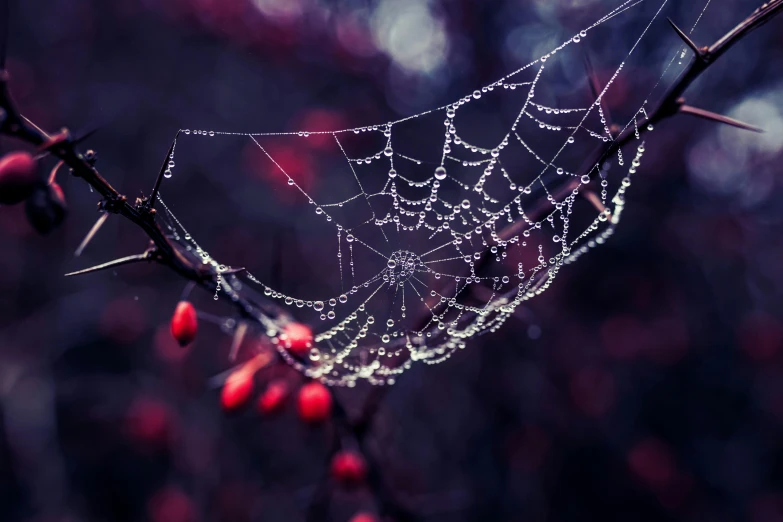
x=274 y=397
x=148 y=422
x=364 y=517
x=348 y=467
x=298 y=338
x=237 y=390
x=291 y=161
x=170 y=504
x=320 y=120
x=760 y=335
x=652 y=462
x=314 y=402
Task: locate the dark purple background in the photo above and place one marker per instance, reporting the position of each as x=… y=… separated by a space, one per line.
x=646 y=384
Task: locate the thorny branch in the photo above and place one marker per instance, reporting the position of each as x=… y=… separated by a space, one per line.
x=164 y=251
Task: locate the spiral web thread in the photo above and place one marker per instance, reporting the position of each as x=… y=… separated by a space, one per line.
x=474 y=267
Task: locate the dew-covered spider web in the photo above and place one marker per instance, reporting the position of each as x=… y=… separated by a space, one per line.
x=434 y=229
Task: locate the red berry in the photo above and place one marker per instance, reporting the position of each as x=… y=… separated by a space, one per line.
x=315 y=402
x=46 y=208
x=184 y=323
x=364 y=517
x=348 y=467
x=18 y=177
x=297 y=338
x=237 y=390
x=273 y=397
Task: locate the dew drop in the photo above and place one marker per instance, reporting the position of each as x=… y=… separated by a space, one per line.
x=440 y=173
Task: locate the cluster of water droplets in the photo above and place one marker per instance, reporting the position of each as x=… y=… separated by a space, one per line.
x=468 y=281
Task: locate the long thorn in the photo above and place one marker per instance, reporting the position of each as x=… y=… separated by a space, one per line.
x=117 y=262
x=707 y=115
x=236 y=342
x=53 y=174
x=91 y=234
x=685 y=38
x=163 y=169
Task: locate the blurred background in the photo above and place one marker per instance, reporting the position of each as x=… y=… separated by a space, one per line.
x=645 y=384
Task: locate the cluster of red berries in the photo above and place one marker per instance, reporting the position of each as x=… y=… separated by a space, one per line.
x=314 y=401
x=20 y=181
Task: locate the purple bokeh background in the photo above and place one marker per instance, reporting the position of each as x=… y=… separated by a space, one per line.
x=646 y=384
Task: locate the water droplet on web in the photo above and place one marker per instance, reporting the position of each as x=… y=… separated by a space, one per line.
x=318 y=306
x=392 y=173
x=585 y=179
x=343 y=298
x=390 y=323
x=477 y=94
x=465 y=204
x=388 y=151
x=440 y=173
x=391 y=263
x=571 y=139
x=167 y=173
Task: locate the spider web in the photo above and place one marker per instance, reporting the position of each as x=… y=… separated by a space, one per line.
x=444 y=225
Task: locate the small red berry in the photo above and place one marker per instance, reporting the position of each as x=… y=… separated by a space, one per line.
x=184 y=323
x=18 y=177
x=348 y=467
x=297 y=338
x=315 y=402
x=273 y=397
x=237 y=390
x=364 y=517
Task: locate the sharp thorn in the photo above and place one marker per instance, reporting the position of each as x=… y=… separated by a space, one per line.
x=707 y=115
x=53 y=175
x=91 y=234
x=85 y=136
x=163 y=169
x=236 y=342
x=117 y=262
x=685 y=38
